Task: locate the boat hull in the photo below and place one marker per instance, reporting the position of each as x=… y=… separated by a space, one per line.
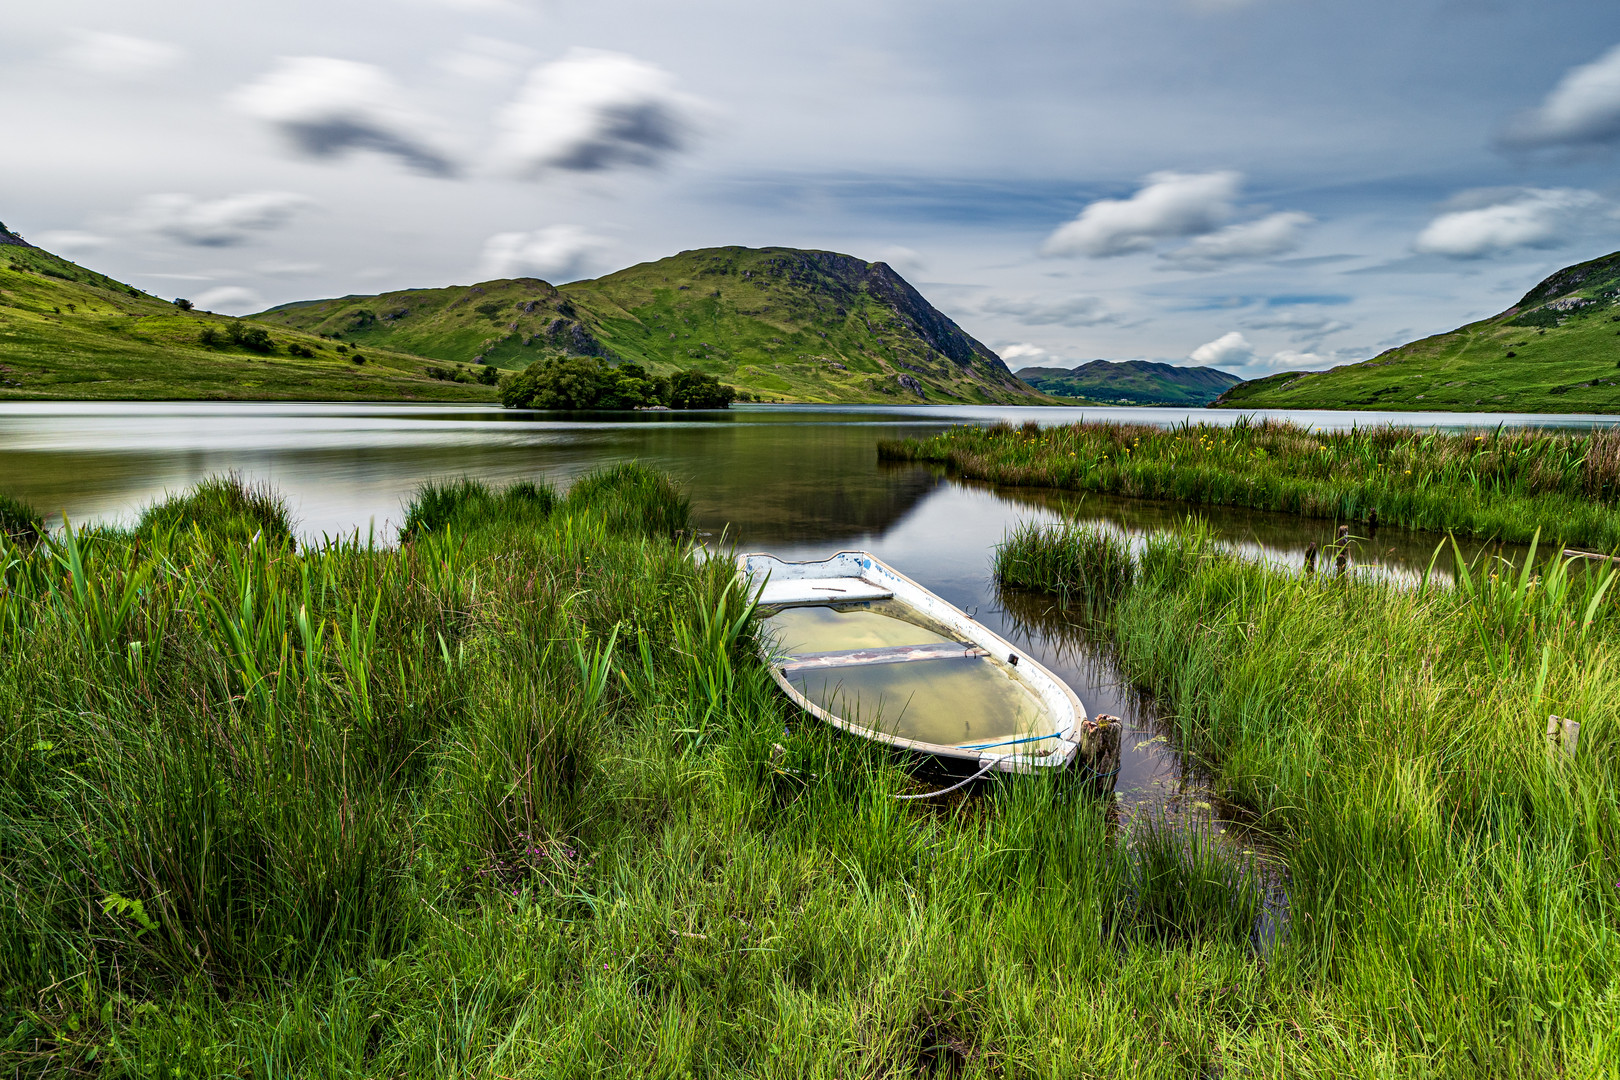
x=855 y=577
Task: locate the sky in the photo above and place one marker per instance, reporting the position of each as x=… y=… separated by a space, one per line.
x=1255 y=185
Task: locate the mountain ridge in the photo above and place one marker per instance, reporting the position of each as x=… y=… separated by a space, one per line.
x=779 y=323
x=1132 y=382
x=1556 y=350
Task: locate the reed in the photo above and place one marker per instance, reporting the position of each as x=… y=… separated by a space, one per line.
x=515 y=798
x=1503 y=483
x=1452 y=879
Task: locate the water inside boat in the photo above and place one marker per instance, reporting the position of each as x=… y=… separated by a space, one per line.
x=952 y=701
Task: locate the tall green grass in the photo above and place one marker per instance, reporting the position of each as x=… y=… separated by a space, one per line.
x=1504 y=483
x=1454 y=882
x=515 y=798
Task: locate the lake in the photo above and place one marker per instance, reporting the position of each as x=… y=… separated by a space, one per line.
x=800 y=481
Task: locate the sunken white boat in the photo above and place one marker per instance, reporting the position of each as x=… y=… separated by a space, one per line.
x=858 y=644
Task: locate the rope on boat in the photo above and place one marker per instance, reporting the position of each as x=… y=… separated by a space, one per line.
x=1015 y=742
x=946 y=791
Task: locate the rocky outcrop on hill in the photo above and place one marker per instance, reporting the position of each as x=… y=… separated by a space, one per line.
x=11 y=238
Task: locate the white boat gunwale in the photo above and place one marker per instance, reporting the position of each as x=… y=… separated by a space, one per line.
x=853 y=576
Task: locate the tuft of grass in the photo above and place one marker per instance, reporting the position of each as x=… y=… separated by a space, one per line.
x=439 y=505
x=222 y=508
x=1507 y=484
x=20 y=522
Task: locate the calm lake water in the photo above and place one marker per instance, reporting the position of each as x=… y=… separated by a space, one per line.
x=800 y=481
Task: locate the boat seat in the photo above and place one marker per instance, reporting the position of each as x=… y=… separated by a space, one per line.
x=893 y=654
x=790 y=591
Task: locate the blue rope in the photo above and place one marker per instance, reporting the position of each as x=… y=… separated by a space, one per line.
x=1013 y=742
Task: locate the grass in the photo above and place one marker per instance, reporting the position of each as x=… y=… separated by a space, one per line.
x=782 y=324
x=21 y=524
x=1530 y=358
x=1507 y=484
x=1453 y=882
x=515 y=798
x=67 y=332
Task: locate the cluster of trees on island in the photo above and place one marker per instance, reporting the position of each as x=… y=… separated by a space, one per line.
x=588 y=382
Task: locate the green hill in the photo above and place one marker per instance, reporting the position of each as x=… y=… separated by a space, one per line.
x=780 y=323
x=1556 y=350
x=1131 y=382
x=68 y=332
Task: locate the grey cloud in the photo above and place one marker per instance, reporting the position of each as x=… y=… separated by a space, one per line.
x=120 y=56
x=555 y=253
x=1078 y=311
x=224 y=222
x=592 y=111
x=327 y=107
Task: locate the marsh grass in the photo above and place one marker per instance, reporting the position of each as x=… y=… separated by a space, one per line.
x=1503 y=483
x=224 y=509
x=516 y=799
x=1453 y=881
x=20 y=522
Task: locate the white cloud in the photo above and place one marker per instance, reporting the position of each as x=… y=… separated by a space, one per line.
x=230 y=299
x=1534 y=217
x=224 y=222
x=119 y=56
x=1277 y=234
x=71 y=242
x=1022 y=351
x=327 y=107
x=282 y=268
x=1231 y=349
x=1171 y=205
x=555 y=253
x=592 y=111
x=1582 y=110
x=1078 y=311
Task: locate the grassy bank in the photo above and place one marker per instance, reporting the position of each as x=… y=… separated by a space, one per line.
x=1454 y=885
x=1505 y=484
x=70 y=333
x=513 y=800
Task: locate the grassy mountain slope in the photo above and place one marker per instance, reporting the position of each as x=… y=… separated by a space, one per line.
x=1132 y=382
x=68 y=332
x=778 y=322
x=1556 y=350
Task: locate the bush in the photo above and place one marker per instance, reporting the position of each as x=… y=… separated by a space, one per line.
x=21 y=523
x=221 y=508
x=295 y=349
x=252 y=338
x=182 y=304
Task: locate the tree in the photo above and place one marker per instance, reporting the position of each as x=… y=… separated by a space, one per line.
x=183 y=304
x=695 y=389
x=581 y=382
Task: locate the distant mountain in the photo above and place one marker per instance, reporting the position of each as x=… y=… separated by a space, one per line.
x=1556 y=350
x=68 y=332
x=781 y=323
x=1132 y=382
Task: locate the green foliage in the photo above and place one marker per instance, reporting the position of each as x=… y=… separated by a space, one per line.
x=696 y=390
x=21 y=523
x=455 y=505
x=584 y=382
x=224 y=509
x=1503 y=483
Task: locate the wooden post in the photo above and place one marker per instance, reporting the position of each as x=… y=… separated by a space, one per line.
x=1310 y=558
x=1099 y=749
x=1343 y=560
x=1563 y=733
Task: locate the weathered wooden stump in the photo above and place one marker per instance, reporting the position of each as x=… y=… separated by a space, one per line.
x=1343 y=561
x=1099 y=749
x=1310 y=558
